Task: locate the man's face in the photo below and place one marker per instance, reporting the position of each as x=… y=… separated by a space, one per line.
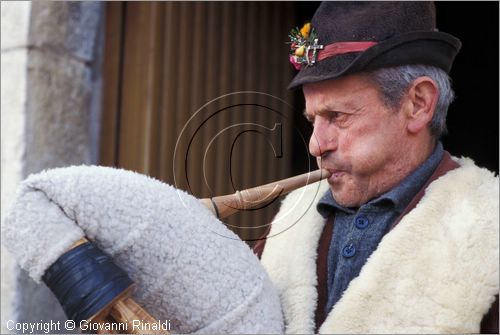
x=356 y=137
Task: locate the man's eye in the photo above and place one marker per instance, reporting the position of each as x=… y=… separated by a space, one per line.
x=332 y=116
x=335 y=116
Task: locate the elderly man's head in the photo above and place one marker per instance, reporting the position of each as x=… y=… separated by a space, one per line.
x=372 y=129
x=377 y=114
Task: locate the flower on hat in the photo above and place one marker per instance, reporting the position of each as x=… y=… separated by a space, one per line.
x=294 y=62
x=300 y=40
x=305 y=30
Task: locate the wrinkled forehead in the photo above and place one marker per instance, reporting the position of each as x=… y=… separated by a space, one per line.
x=346 y=92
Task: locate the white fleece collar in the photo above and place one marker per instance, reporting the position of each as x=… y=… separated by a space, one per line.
x=290 y=256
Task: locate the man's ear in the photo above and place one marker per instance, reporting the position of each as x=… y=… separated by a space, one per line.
x=422 y=100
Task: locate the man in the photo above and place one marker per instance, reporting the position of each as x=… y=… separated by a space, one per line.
x=404 y=237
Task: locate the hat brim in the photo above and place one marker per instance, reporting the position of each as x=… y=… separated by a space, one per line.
x=422 y=47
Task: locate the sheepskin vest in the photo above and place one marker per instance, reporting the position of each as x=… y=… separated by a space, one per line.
x=435 y=272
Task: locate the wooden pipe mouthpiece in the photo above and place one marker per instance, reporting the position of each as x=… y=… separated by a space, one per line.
x=226 y=205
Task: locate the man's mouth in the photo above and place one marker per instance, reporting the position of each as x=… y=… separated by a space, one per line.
x=335 y=174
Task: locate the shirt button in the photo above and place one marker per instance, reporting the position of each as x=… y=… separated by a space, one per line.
x=361 y=222
x=349 y=250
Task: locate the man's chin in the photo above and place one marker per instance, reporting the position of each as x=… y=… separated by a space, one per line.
x=345 y=198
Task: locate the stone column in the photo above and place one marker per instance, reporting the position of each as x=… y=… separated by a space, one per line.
x=14 y=27
x=51 y=86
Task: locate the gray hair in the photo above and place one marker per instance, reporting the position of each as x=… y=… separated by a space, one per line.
x=394 y=82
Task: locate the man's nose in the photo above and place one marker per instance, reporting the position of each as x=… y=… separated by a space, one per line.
x=322 y=141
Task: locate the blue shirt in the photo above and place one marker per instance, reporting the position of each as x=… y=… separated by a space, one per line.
x=357 y=232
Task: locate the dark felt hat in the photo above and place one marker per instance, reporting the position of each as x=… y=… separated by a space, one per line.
x=403 y=33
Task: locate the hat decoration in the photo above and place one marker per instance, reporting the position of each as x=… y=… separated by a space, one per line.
x=305 y=47
x=302 y=41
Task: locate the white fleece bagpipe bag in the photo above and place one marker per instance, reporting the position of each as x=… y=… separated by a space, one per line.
x=187 y=266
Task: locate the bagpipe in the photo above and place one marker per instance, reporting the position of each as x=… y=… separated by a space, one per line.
x=123 y=252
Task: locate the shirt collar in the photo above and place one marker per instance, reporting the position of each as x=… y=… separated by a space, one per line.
x=398 y=197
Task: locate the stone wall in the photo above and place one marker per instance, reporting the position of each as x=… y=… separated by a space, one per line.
x=14 y=28
x=51 y=89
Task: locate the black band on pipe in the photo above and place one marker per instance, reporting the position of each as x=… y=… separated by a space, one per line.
x=85 y=280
